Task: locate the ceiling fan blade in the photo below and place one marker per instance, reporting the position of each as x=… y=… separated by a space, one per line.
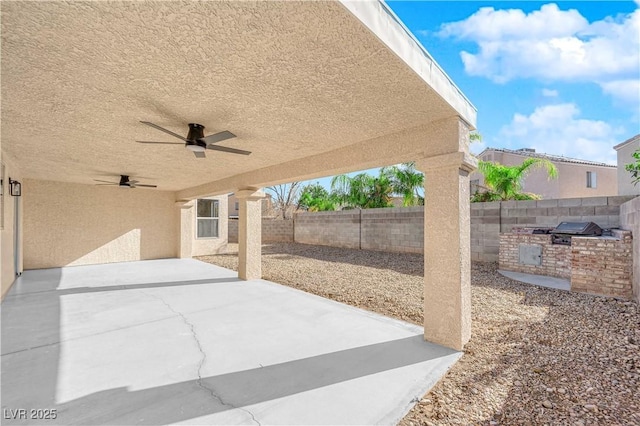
x=226 y=149
x=104 y=181
x=199 y=155
x=163 y=143
x=218 y=137
x=144 y=186
x=133 y=181
x=162 y=129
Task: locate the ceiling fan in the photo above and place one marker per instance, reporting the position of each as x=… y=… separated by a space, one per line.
x=125 y=183
x=197 y=142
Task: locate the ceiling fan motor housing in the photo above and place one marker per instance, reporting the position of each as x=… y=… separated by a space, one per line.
x=124 y=182
x=196 y=132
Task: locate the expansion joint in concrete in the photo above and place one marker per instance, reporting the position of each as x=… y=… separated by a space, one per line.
x=203 y=359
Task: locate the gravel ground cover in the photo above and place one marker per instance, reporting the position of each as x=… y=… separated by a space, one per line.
x=536 y=356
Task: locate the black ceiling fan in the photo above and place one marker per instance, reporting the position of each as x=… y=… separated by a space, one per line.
x=125 y=183
x=196 y=141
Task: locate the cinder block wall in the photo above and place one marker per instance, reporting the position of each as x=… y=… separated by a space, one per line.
x=402 y=229
x=233 y=230
x=396 y=230
x=485 y=231
x=605 y=211
x=274 y=230
x=338 y=229
x=630 y=221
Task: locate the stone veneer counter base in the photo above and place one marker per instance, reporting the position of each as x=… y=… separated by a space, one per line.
x=596 y=265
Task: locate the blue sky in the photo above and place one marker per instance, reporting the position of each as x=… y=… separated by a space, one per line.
x=561 y=77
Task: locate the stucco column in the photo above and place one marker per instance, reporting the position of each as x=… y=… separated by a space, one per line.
x=249 y=234
x=186 y=224
x=447 y=257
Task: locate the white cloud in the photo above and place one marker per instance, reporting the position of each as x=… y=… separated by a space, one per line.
x=548 y=93
x=559 y=130
x=552 y=45
x=625 y=90
x=488 y=24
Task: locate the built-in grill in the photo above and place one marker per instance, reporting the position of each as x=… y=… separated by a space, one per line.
x=562 y=233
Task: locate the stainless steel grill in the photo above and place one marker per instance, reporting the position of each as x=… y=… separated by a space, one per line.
x=562 y=233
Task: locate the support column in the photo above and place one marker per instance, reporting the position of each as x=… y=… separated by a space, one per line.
x=250 y=234
x=186 y=225
x=447 y=257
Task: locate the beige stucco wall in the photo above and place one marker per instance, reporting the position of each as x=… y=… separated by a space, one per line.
x=206 y=246
x=571 y=181
x=75 y=224
x=233 y=205
x=7 y=270
x=625 y=187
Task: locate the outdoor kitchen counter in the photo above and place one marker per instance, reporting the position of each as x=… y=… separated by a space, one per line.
x=594 y=264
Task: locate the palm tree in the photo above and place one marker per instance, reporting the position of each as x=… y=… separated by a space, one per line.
x=406 y=181
x=505 y=182
x=379 y=193
x=362 y=190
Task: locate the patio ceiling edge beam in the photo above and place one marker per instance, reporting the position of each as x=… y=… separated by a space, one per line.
x=407 y=145
x=389 y=29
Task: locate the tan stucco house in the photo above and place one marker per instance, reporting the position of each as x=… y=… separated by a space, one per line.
x=311 y=89
x=576 y=178
x=625 y=151
x=234 y=206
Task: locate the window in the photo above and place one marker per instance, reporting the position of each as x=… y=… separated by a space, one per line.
x=237 y=206
x=591 y=180
x=207 y=218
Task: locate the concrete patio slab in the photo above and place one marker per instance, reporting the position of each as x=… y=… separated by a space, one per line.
x=178 y=341
x=541 y=280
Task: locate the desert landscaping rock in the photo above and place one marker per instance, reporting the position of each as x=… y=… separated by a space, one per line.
x=525 y=339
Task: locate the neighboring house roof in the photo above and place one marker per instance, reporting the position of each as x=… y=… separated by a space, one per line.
x=635 y=138
x=527 y=152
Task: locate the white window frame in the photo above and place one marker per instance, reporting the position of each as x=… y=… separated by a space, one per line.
x=215 y=209
x=592 y=180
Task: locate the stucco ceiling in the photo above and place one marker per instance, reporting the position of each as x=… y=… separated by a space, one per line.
x=289 y=79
